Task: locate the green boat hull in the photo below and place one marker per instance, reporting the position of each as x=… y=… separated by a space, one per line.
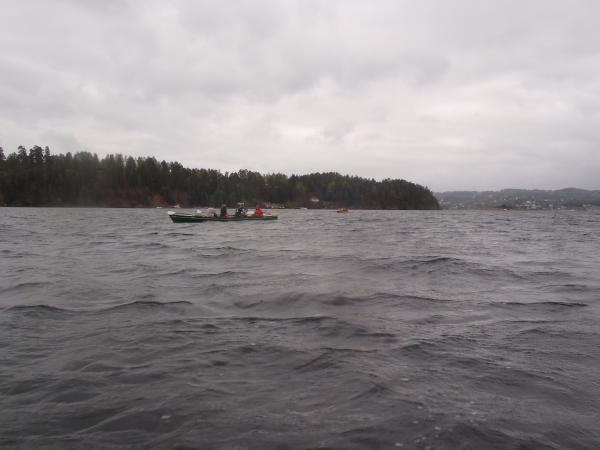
x=186 y=218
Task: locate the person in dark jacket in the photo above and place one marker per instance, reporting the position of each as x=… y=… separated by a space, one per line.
x=239 y=212
x=224 y=211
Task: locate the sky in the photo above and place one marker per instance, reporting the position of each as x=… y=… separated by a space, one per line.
x=453 y=95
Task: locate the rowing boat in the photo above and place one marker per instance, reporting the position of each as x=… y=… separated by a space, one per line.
x=183 y=217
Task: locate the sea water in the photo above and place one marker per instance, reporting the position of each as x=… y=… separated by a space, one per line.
x=371 y=329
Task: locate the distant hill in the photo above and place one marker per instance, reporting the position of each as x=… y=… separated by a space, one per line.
x=37 y=178
x=569 y=198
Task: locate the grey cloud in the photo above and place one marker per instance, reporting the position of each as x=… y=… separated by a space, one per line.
x=259 y=19
x=451 y=94
x=65 y=141
x=338 y=129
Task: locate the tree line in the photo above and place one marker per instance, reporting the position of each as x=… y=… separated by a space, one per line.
x=38 y=178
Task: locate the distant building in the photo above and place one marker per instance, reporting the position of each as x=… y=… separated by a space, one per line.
x=314 y=199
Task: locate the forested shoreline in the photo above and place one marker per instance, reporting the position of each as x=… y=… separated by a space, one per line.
x=38 y=178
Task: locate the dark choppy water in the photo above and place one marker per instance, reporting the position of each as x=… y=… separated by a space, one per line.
x=413 y=330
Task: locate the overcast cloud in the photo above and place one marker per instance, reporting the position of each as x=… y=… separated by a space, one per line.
x=449 y=94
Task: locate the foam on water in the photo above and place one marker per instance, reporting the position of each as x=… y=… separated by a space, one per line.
x=453 y=330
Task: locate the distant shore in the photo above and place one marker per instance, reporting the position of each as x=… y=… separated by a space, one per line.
x=572 y=199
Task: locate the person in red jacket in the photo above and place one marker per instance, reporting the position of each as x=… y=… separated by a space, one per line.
x=258 y=212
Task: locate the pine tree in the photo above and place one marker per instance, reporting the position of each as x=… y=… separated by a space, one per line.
x=47 y=157
x=22 y=156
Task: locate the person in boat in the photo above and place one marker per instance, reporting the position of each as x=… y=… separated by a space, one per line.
x=224 y=211
x=258 y=212
x=239 y=212
x=210 y=212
